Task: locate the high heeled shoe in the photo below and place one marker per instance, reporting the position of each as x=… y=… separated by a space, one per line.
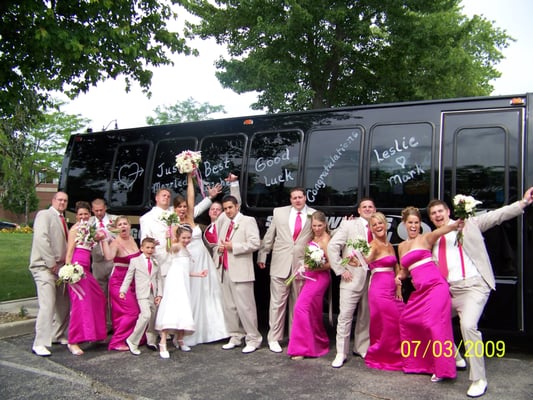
x=75 y=349
x=163 y=352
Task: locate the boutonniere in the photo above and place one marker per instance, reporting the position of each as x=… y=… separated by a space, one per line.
x=309 y=215
x=235 y=227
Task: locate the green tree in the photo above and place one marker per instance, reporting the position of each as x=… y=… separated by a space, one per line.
x=70 y=45
x=29 y=154
x=303 y=54
x=183 y=111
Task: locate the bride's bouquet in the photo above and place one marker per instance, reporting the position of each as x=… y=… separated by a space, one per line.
x=188 y=161
x=314 y=258
x=463 y=207
x=360 y=249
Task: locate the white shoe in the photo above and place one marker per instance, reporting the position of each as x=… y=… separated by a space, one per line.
x=249 y=349
x=477 y=388
x=41 y=351
x=163 y=352
x=275 y=347
x=339 y=360
x=435 y=378
x=460 y=363
x=230 y=346
x=134 y=349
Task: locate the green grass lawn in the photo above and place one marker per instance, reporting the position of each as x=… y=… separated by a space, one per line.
x=16 y=281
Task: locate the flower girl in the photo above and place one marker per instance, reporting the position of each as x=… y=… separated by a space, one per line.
x=174 y=312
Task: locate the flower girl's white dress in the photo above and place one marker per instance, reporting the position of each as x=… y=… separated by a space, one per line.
x=175 y=308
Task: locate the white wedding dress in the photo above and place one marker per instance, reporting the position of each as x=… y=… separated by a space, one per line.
x=175 y=311
x=206 y=295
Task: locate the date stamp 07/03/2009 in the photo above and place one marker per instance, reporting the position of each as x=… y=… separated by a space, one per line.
x=437 y=348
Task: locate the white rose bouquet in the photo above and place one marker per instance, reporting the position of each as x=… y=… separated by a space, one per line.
x=188 y=161
x=464 y=207
x=70 y=273
x=314 y=258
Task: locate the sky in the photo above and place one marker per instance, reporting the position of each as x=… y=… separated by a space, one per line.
x=195 y=76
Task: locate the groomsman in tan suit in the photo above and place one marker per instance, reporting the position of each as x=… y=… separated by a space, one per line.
x=101 y=268
x=238 y=240
x=149 y=290
x=353 y=290
x=286 y=237
x=469 y=273
x=48 y=251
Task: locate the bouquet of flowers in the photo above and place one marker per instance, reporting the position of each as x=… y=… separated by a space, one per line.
x=463 y=207
x=169 y=218
x=188 y=161
x=70 y=273
x=86 y=235
x=360 y=248
x=314 y=258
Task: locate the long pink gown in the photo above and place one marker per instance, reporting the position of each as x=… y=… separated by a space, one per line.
x=124 y=312
x=308 y=335
x=87 y=304
x=427 y=319
x=385 y=310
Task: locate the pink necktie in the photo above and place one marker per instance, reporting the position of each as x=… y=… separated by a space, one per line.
x=64 y=223
x=102 y=224
x=443 y=264
x=228 y=235
x=369 y=236
x=149 y=263
x=297 y=226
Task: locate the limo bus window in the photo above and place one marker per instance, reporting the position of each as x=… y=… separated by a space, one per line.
x=401 y=164
x=331 y=173
x=128 y=178
x=273 y=168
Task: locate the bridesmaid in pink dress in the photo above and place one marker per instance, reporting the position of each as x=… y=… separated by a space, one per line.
x=87 y=300
x=308 y=336
x=384 y=300
x=124 y=312
x=427 y=315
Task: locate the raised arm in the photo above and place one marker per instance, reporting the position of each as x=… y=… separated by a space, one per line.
x=190 y=196
x=432 y=237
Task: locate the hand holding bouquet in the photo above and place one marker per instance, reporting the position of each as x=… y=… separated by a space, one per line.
x=70 y=273
x=314 y=258
x=463 y=207
x=169 y=218
x=360 y=249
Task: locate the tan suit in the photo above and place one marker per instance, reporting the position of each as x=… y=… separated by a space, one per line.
x=352 y=294
x=240 y=311
x=287 y=255
x=49 y=248
x=101 y=268
x=147 y=287
x=470 y=296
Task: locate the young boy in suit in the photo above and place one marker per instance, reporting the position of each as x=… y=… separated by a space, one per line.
x=148 y=288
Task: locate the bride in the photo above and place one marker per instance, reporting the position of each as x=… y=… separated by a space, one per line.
x=206 y=294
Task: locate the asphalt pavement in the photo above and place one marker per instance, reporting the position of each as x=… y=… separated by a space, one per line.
x=208 y=372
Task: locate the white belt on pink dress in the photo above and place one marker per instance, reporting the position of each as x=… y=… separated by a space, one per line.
x=381 y=269
x=420 y=262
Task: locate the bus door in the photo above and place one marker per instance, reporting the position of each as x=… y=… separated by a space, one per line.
x=481 y=156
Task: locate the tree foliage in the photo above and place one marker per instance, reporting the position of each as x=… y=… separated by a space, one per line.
x=29 y=154
x=302 y=54
x=183 y=111
x=68 y=45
